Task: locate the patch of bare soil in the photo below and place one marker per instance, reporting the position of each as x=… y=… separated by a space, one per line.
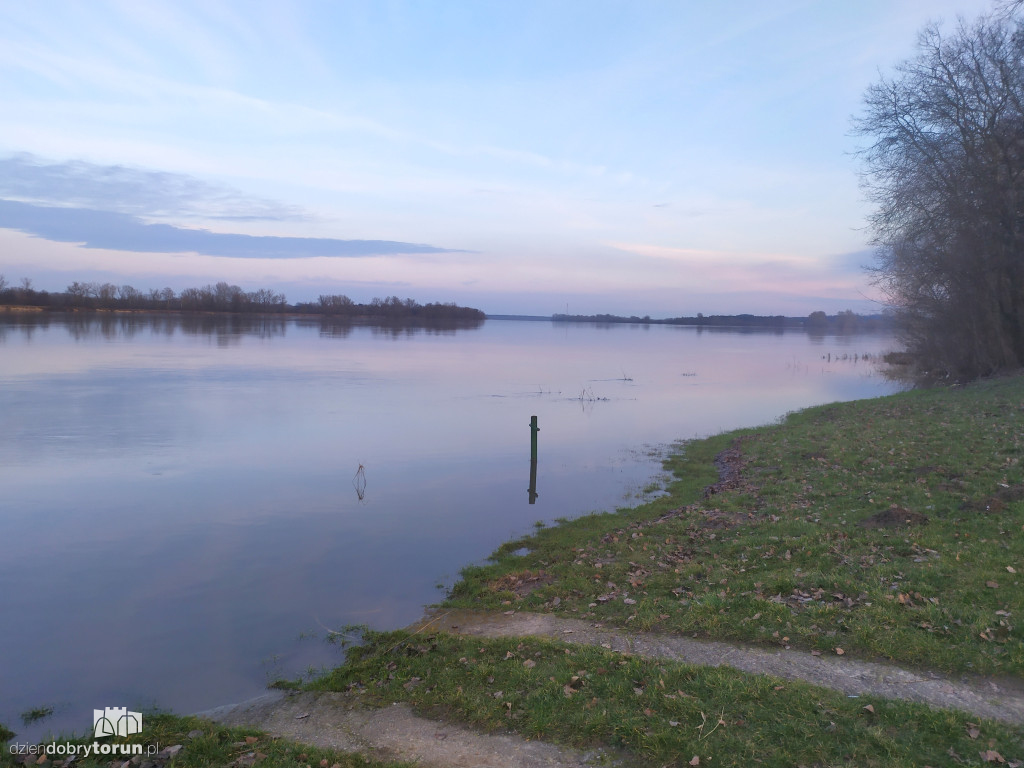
x=522 y=583
x=999 y=700
x=729 y=464
x=997 y=501
x=894 y=517
x=337 y=721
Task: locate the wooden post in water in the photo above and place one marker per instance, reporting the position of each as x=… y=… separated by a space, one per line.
x=534 y=429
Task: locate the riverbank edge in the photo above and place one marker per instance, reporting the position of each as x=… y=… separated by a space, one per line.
x=724 y=438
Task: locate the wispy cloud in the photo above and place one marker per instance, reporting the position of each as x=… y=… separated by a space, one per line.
x=136 y=191
x=124 y=232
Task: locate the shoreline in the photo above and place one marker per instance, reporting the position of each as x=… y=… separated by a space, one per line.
x=525 y=581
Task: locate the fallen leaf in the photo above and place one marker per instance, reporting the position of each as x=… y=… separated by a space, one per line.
x=972 y=730
x=840 y=651
x=695 y=760
x=1010 y=569
x=815 y=653
x=992 y=584
x=529 y=663
x=869 y=708
x=991 y=756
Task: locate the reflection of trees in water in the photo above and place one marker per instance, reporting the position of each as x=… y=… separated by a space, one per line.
x=225 y=329
x=398 y=329
x=26 y=322
x=229 y=329
x=341 y=327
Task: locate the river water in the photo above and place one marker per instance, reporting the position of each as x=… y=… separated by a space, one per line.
x=188 y=505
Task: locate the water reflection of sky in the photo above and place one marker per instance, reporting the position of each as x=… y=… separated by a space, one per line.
x=181 y=497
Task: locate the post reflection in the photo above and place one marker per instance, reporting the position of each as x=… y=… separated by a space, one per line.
x=534 y=429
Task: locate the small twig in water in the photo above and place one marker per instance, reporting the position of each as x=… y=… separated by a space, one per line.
x=359 y=482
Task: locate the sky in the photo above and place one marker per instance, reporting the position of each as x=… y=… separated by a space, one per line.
x=634 y=157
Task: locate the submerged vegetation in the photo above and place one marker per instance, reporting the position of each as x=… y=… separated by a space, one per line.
x=35 y=714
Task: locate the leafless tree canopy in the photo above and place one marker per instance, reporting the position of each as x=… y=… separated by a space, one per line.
x=945 y=168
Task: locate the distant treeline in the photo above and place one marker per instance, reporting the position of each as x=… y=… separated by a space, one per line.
x=846 y=321
x=393 y=307
x=223 y=297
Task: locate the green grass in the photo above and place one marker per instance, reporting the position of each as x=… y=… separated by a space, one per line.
x=36 y=713
x=663 y=713
x=780 y=559
x=221 y=746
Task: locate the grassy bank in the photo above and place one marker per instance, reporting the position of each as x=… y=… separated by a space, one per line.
x=885 y=528
x=662 y=714
x=888 y=528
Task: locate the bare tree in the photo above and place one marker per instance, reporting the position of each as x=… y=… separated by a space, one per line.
x=945 y=168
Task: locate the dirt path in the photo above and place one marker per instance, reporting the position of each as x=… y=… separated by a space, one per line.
x=1002 y=700
x=336 y=720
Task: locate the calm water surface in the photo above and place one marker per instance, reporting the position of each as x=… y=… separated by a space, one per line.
x=178 y=514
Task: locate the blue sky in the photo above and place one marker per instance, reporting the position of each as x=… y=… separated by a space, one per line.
x=661 y=158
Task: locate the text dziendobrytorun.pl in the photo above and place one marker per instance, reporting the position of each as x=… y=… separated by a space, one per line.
x=84 y=750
